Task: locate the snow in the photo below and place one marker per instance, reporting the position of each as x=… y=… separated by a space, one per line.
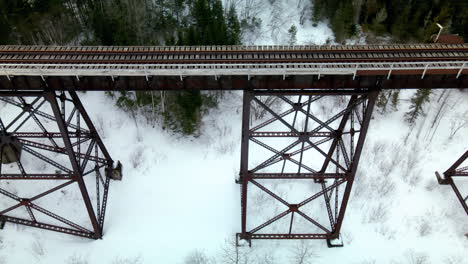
x=277 y=17
x=178 y=194
x=182 y=195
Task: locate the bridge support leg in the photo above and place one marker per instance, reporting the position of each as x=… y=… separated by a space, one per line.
x=51 y=156
x=305 y=161
x=458 y=170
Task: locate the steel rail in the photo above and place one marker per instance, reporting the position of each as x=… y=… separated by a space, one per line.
x=228 y=49
x=235 y=60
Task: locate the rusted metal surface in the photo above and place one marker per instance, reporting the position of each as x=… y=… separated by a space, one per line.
x=232 y=67
x=51 y=125
x=33 y=77
x=458 y=171
x=323 y=154
x=309 y=83
x=450 y=39
x=232 y=54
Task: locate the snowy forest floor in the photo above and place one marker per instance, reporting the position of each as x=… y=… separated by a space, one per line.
x=178 y=199
x=178 y=194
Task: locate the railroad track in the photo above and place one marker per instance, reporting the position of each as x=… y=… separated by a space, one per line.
x=233 y=54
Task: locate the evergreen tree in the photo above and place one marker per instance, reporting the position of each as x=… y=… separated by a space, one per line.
x=292 y=35
x=342 y=22
x=395 y=98
x=233 y=27
x=128 y=22
x=407 y=21
x=417 y=101
x=442 y=18
x=209 y=27
x=399 y=27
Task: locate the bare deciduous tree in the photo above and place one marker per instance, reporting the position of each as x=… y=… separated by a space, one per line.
x=128 y=260
x=196 y=257
x=459 y=121
x=232 y=254
x=37 y=248
x=413 y=257
x=302 y=253
x=77 y=259
x=259 y=111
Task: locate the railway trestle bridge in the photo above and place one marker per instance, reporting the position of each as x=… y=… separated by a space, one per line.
x=51 y=142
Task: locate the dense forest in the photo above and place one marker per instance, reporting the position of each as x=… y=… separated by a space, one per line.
x=404 y=20
x=208 y=22
x=129 y=22
x=118 y=22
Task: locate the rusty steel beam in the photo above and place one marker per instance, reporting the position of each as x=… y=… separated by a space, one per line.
x=51 y=98
x=294 y=84
x=334 y=143
x=45 y=226
x=80 y=144
x=357 y=156
x=247 y=99
x=36 y=176
x=456 y=170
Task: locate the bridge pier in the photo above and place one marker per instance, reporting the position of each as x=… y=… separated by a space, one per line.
x=63 y=158
x=307 y=144
x=459 y=169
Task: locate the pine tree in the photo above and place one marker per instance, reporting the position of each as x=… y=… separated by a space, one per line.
x=417 y=101
x=442 y=18
x=233 y=27
x=342 y=22
x=129 y=22
x=395 y=98
x=292 y=35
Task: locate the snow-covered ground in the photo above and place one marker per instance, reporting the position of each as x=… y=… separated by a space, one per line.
x=276 y=17
x=178 y=195
x=181 y=195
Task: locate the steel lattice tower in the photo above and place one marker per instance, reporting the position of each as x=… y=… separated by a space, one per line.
x=51 y=153
x=320 y=150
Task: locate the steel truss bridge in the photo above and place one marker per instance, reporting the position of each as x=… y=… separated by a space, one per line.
x=51 y=141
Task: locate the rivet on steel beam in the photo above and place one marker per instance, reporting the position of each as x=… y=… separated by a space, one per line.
x=294 y=207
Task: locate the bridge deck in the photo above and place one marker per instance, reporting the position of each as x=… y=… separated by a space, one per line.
x=235 y=67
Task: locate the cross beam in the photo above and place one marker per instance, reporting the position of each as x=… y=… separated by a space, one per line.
x=53 y=147
x=321 y=152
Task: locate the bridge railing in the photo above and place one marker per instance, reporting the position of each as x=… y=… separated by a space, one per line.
x=355 y=69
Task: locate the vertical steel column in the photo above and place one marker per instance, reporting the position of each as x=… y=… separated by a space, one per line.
x=338 y=134
x=77 y=173
x=320 y=138
x=357 y=156
x=90 y=125
x=33 y=132
x=244 y=173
